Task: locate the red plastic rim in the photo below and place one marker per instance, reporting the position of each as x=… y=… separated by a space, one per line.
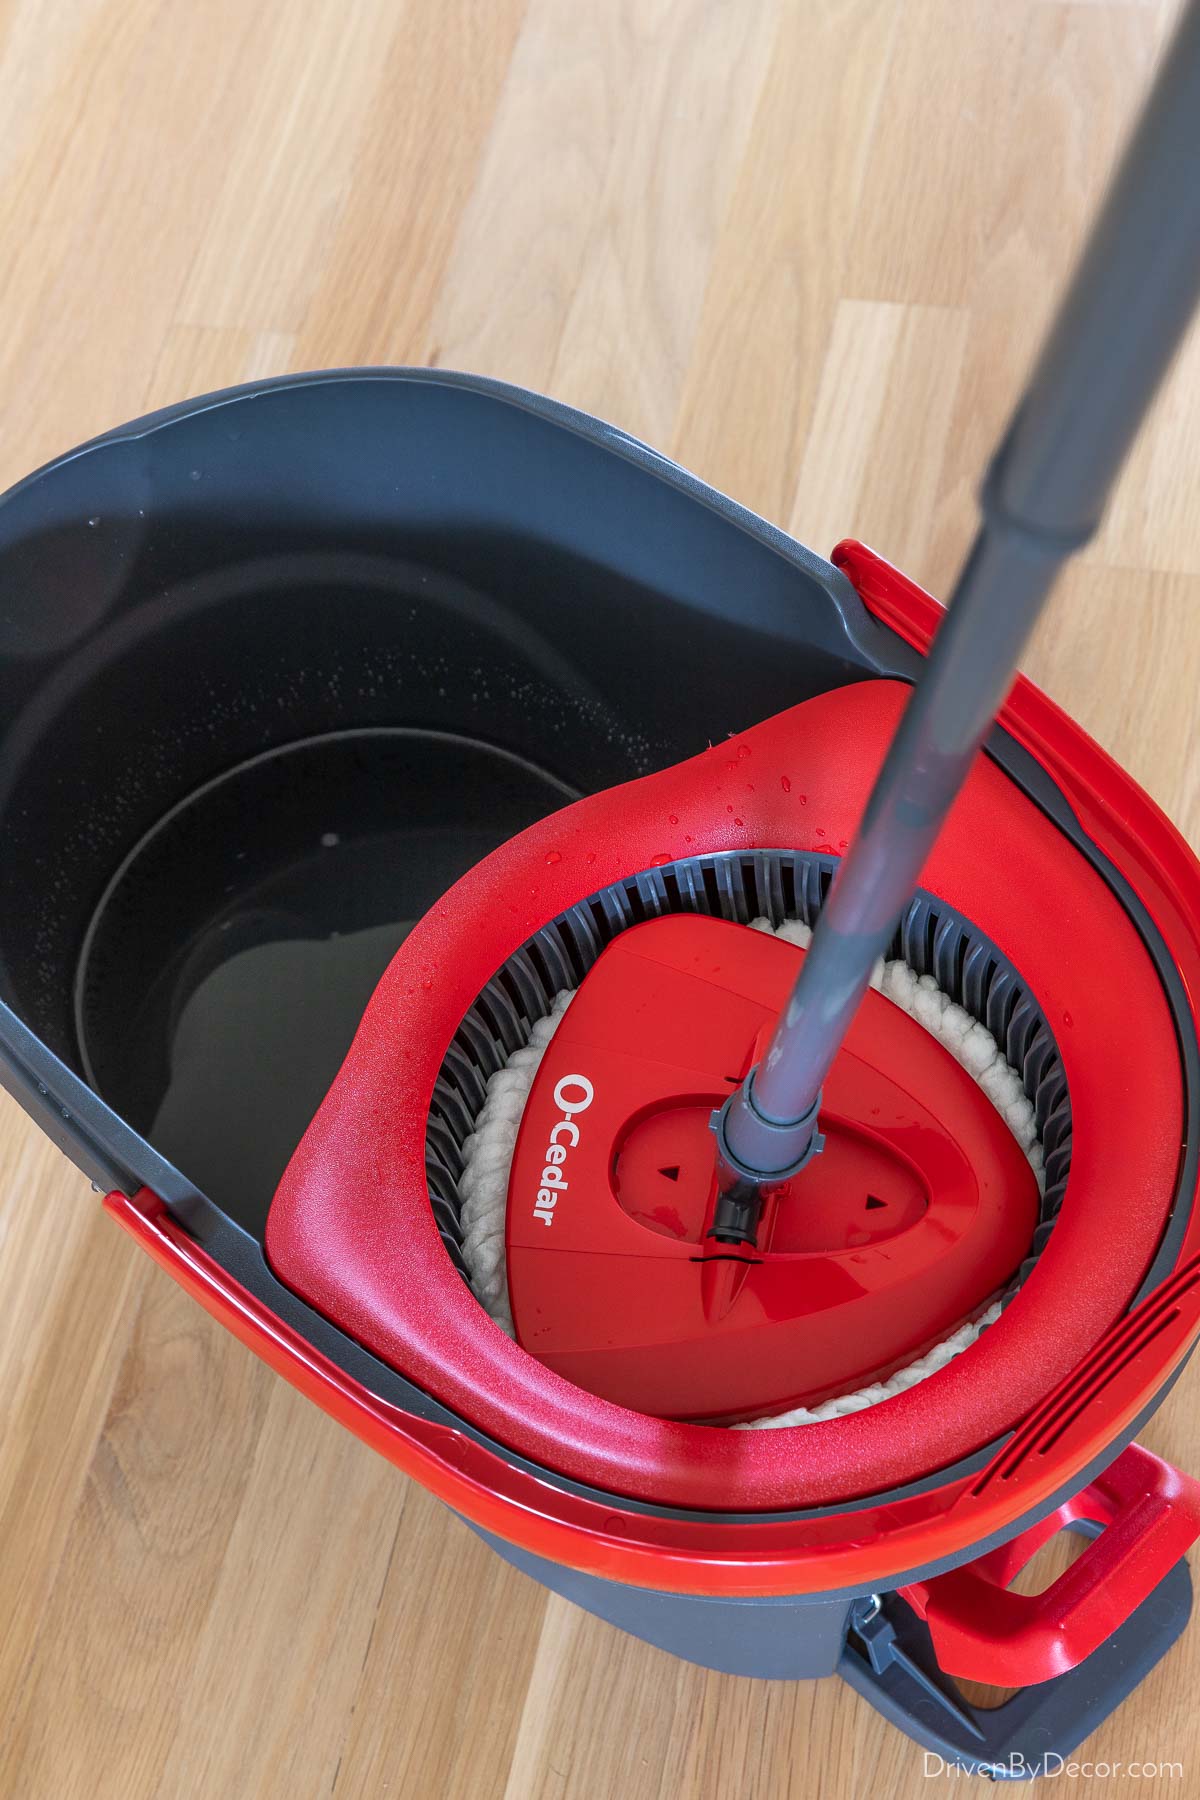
x=351 y=1232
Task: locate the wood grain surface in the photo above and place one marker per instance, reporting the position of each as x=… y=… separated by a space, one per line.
x=806 y=247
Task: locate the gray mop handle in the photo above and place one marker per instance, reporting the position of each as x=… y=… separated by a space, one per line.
x=1128 y=305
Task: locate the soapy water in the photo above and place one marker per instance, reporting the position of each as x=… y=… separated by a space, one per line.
x=289 y=885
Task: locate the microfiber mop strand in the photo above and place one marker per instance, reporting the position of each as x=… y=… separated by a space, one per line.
x=488 y=1154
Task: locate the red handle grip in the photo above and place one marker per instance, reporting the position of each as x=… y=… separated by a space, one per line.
x=1151 y=1515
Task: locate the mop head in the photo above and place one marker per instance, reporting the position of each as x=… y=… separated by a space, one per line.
x=488 y=1155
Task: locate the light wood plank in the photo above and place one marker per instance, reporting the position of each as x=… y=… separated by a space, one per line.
x=583 y=270
x=888 y=383
x=778 y=268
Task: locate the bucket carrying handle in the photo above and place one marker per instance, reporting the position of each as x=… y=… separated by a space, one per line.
x=1148 y=1513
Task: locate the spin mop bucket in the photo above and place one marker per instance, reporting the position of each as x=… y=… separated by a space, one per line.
x=172 y=663
x=351 y=722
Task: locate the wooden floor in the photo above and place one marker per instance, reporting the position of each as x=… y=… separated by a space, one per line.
x=805 y=246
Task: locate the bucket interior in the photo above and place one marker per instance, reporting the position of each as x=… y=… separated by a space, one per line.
x=270 y=901
x=274 y=671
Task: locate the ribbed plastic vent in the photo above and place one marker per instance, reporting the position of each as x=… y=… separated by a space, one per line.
x=776 y=884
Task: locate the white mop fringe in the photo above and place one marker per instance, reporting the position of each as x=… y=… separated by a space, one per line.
x=487 y=1160
x=488 y=1154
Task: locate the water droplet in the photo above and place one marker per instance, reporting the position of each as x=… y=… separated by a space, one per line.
x=820 y=833
x=688 y=840
x=729 y=809
x=743 y=750
x=194 y=474
x=674 y=818
x=94 y=520
x=657 y=862
x=553 y=856
x=1067 y=1019
x=330 y=840
x=785 y=784
x=427 y=985
x=804 y=799
x=591 y=856
x=739 y=821
x=731 y=766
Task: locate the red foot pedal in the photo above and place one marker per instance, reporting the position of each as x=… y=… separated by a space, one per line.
x=981 y=1632
x=916 y=1212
